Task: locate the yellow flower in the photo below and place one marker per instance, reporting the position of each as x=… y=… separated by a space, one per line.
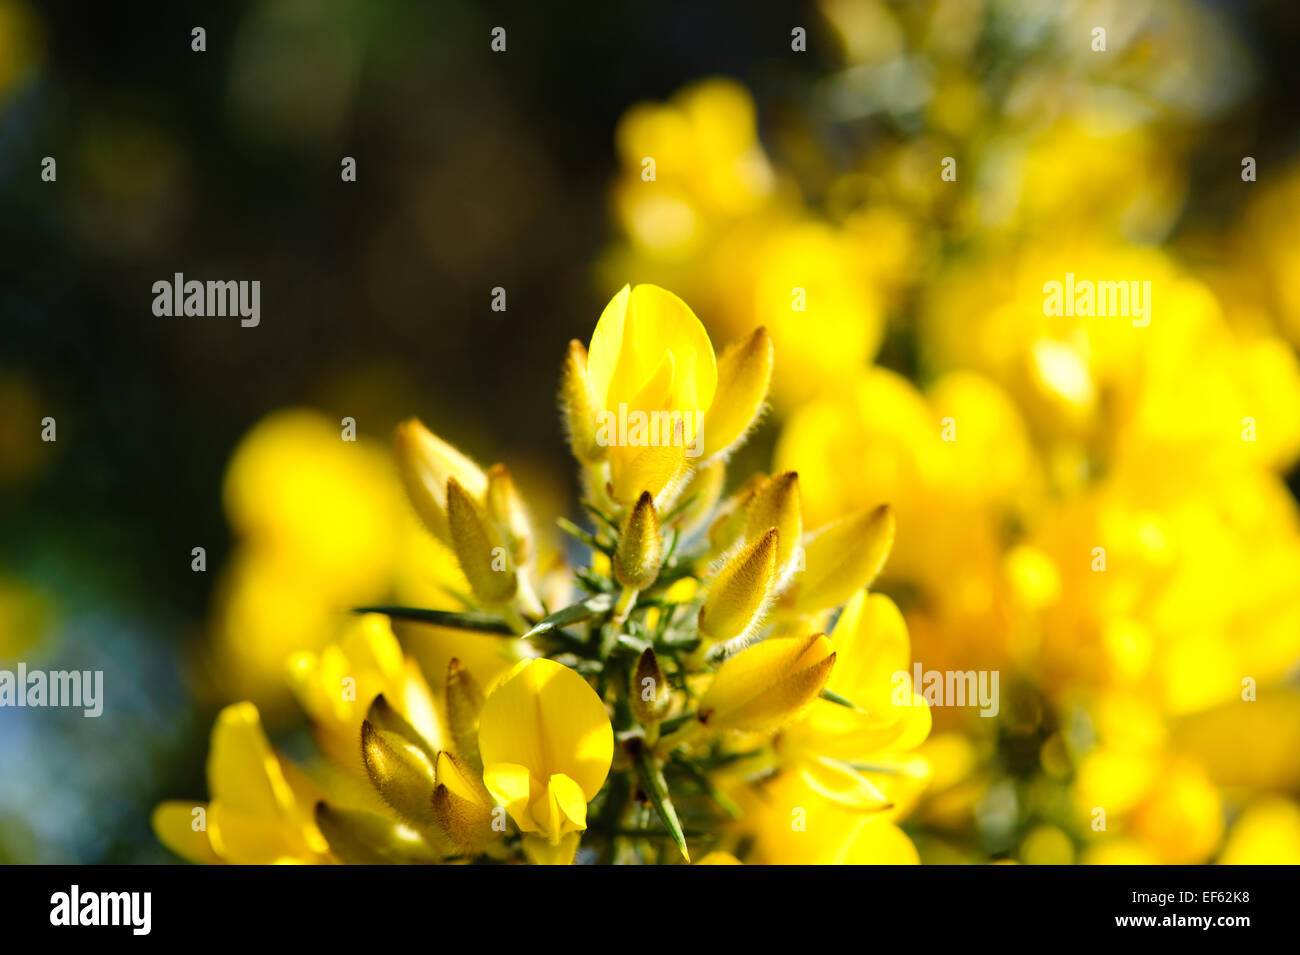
x=1267 y=833
x=255 y=815
x=1183 y=817
x=649 y=353
x=708 y=163
x=793 y=824
x=318 y=522
x=873 y=659
x=652 y=394
x=547 y=745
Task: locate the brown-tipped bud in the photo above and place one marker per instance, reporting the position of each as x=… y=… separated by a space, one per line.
x=382 y=716
x=639 y=553
x=425 y=463
x=480 y=548
x=464 y=703
x=402 y=773
x=579 y=407
x=842 y=558
x=505 y=508
x=651 y=698
x=776 y=504
x=462 y=806
x=739 y=595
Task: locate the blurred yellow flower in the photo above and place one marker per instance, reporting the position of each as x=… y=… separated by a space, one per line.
x=256 y=815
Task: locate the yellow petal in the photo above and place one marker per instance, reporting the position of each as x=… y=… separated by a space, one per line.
x=842 y=558
x=246 y=839
x=636 y=330
x=564 y=809
x=511 y=785
x=719 y=858
x=872 y=643
x=173 y=824
x=541 y=851
x=744 y=373
x=243 y=772
x=652 y=468
x=842 y=784
x=545 y=717
x=461 y=780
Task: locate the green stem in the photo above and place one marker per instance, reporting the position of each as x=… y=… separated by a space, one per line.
x=624 y=606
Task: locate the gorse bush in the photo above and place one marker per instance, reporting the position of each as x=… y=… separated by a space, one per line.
x=716 y=678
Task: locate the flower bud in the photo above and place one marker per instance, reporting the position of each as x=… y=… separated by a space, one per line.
x=464 y=703
x=739 y=595
x=425 y=463
x=401 y=771
x=578 y=406
x=640 y=551
x=505 y=508
x=650 y=697
x=767 y=685
x=480 y=548
x=462 y=806
x=357 y=837
x=776 y=504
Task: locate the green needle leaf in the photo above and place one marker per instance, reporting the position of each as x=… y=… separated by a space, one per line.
x=656 y=789
x=593 y=606
x=459 y=620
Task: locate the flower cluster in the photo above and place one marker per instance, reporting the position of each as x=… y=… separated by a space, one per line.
x=714 y=677
x=1093 y=506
